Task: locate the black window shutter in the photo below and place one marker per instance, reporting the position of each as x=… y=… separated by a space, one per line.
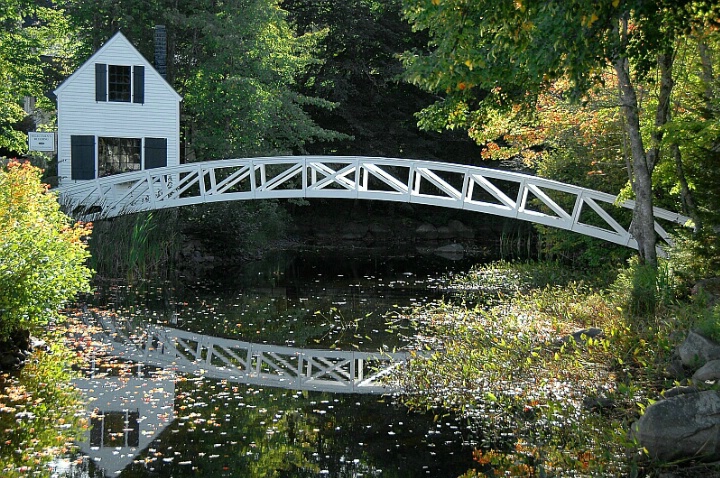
x=82 y=157
x=100 y=82
x=155 y=153
x=139 y=84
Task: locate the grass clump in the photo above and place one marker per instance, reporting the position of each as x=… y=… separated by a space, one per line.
x=545 y=398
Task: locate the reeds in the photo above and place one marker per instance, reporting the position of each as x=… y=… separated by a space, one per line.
x=136 y=245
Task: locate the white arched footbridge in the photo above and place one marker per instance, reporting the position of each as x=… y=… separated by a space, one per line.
x=491 y=191
x=246 y=362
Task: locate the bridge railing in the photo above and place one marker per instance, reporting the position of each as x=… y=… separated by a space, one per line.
x=490 y=191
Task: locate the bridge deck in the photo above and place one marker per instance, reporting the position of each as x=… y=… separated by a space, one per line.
x=501 y=193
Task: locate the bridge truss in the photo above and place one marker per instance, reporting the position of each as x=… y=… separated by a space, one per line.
x=259 y=364
x=490 y=191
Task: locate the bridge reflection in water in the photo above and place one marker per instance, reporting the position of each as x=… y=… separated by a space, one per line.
x=247 y=362
x=127 y=413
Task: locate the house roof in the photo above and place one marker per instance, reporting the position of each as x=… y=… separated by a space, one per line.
x=118 y=37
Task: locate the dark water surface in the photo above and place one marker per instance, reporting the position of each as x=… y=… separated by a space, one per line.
x=159 y=423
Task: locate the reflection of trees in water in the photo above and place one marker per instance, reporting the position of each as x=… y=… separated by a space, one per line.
x=39 y=414
x=226 y=428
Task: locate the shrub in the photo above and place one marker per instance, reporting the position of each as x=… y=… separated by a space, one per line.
x=42 y=263
x=642 y=289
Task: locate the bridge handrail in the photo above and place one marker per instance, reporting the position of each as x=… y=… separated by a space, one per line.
x=355 y=177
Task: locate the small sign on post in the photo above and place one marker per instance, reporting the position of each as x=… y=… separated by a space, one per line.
x=41 y=141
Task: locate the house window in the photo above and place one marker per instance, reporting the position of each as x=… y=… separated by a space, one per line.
x=118 y=155
x=119 y=83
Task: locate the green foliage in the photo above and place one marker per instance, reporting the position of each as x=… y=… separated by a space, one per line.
x=496 y=63
x=586 y=152
x=695 y=257
x=642 y=289
x=40 y=414
x=487 y=56
x=547 y=404
x=236 y=228
x=29 y=30
x=707 y=323
x=136 y=245
x=241 y=93
x=43 y=260
x=359 y=71
x=236 y=63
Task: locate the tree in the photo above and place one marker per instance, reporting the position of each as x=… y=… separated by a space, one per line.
x=493 y=59
x=236 y=63
x=33 y=41
x=42 y=264
x=360 y=71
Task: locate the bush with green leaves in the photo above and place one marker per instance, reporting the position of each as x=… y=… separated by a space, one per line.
x=43 y=251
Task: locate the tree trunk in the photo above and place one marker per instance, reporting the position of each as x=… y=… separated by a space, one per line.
x=686 y=194
x=643 y=162
x=643 y=222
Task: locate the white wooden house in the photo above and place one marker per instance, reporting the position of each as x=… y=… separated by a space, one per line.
x=116 y=114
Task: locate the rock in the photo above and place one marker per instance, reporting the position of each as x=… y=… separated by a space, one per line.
x=15 y=350
x=710 y=288
x=708 y=372
x=354 y=231
x=590 y=333
x=426 y=232
x=454 y=252
x=460 y=230
x=697 y=350
x=675 y=370
x=36 y=343
x=379 y=230
x=598 y=403
x=680 y=390
x=681 y=427
x=10 y=361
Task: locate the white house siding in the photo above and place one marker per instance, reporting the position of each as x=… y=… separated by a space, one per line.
x=80 y=114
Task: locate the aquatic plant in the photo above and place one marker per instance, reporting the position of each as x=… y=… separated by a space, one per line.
x=136 y=245
x=550 y=376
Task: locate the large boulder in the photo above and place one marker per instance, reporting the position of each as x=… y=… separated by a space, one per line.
x=685 y=426
x=15 y=350
x=354 y=231
x=697 y=350
x=444 y=232
x=453 y=252
x=710 y=372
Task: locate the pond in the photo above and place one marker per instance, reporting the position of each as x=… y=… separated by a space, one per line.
x=200 y=413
